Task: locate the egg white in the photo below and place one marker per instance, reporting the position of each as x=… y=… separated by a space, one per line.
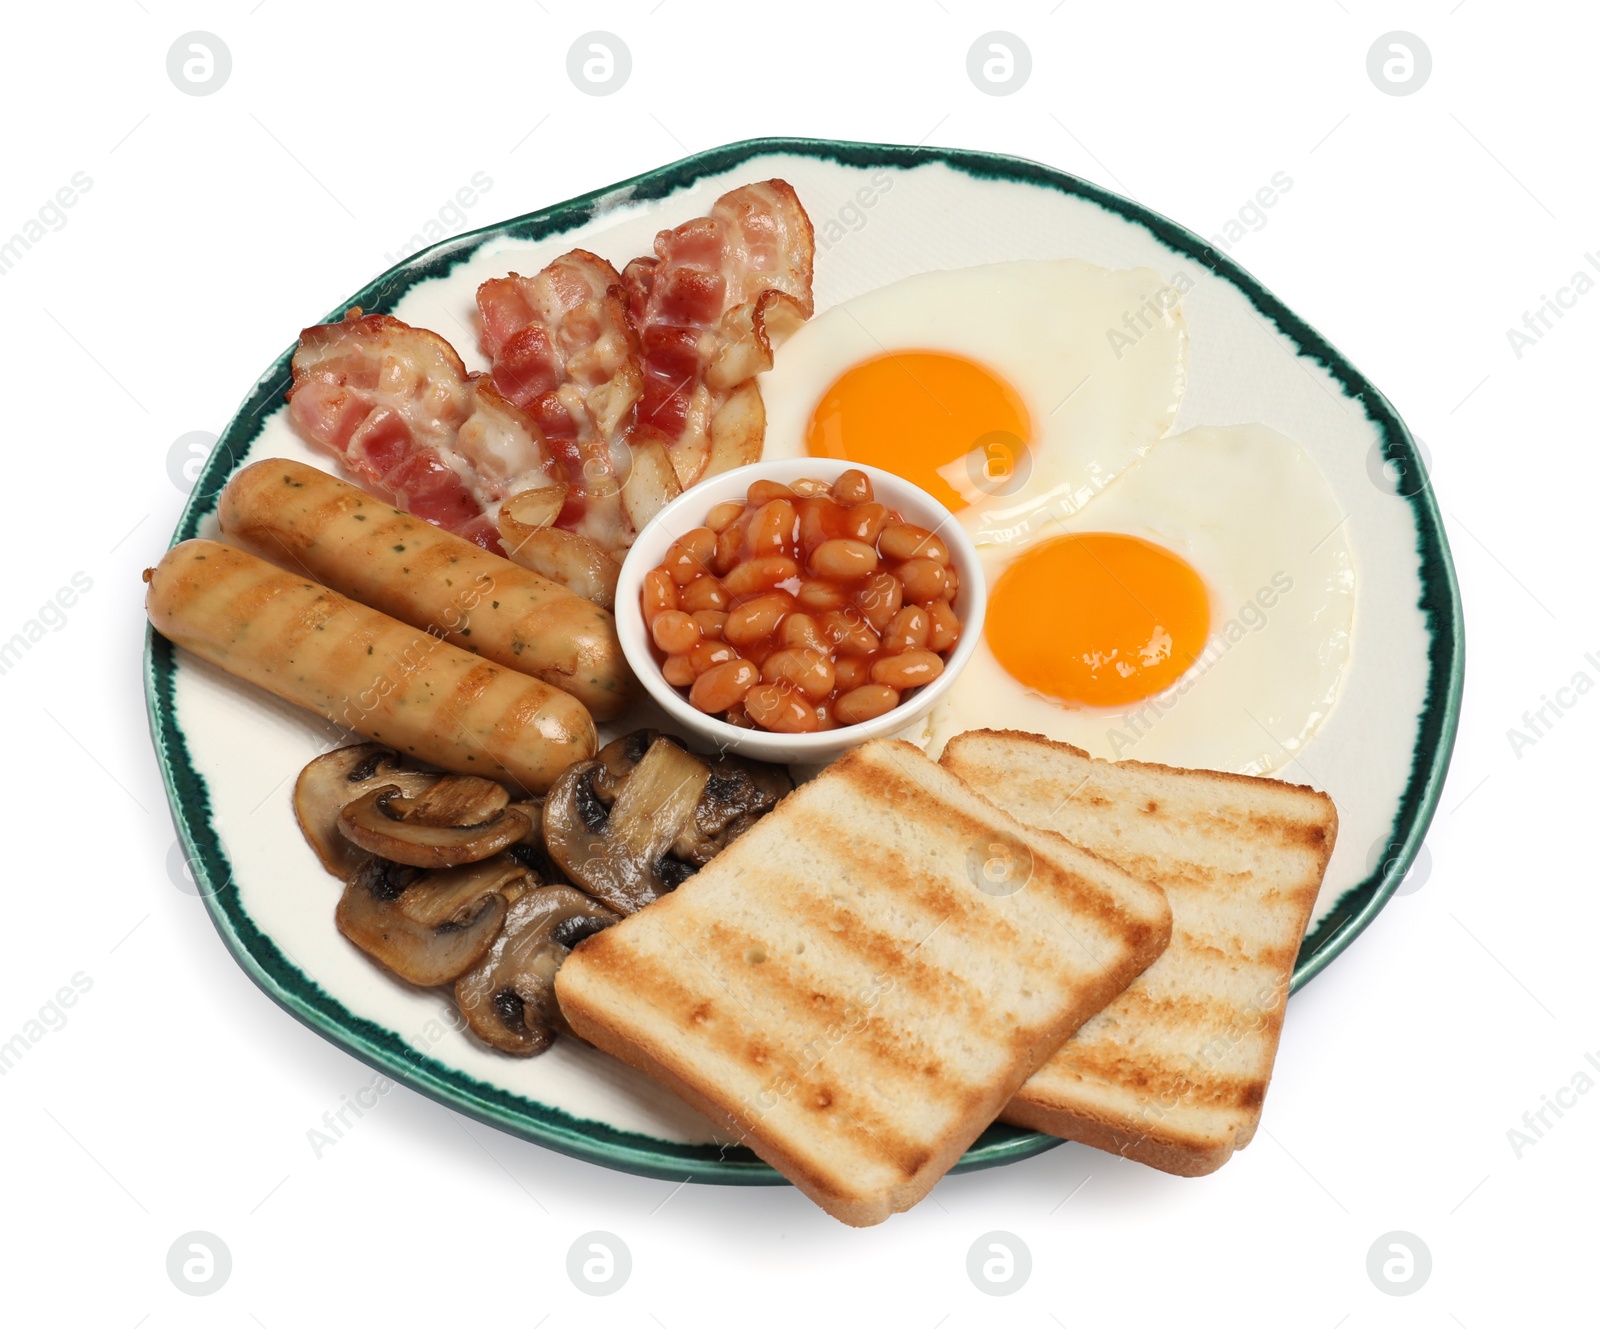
x=1256 y=519
x=1097 y=356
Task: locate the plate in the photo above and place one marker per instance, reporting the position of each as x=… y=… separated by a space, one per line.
x=229 y=754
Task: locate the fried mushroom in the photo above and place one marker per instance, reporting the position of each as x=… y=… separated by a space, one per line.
x=738 y=794
x=530 y=851
x=454 y=820
x=429 y=927
x=630 y=848
x=334 y=780
x=614 y=847
x=508 y=997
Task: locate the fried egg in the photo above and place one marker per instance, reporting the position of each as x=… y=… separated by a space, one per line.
x=1012 y=392
x=1185 y=599
x=1197 y=613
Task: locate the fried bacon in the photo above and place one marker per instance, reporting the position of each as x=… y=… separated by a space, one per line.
x=612 y=391
x=563 y=349
x=398 y=407
x=720 y=293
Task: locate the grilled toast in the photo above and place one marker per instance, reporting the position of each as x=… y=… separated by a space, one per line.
x=858 y=985
x=1173 y=1072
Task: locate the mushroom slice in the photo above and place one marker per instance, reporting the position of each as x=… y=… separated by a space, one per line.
x=738 y=794
x=340 y=777
x=619 y=853
x=621 y=755
x=450 y=890
x=457 y=819
x=427 y=928
x=530 y=851
x=508 y=997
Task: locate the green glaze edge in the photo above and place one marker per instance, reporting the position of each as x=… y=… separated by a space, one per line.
x=379 y=1048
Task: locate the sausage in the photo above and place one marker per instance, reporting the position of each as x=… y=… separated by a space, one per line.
x=364 y=670
x=362 y=547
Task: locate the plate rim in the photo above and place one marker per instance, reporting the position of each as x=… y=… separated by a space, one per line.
x=627 y=1151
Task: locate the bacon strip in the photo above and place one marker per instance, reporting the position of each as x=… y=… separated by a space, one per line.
x=720 y=293
x=564 y=350
x=589 y=369
x=398 y=407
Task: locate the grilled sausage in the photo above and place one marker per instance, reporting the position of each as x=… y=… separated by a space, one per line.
x=362 y=547
x=364 y=670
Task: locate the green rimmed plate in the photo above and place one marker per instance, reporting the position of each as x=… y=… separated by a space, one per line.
x=881 y=212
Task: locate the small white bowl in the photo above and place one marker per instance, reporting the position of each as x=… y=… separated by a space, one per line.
x=689 y=510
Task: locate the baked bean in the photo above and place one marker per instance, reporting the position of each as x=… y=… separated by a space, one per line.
x=709 y=654
x=944 y=628
x=710 y=622
x=800 y=630
x=759 y=574
x=771 y=530
x=780 y=709
x=808 y=672
x=865 y=522
x=820 y=519
x=867 y=702
x=907 y=541
x=764 y=491
x=704 y=592
x=821 y=595
x=763 y=702
x=908 y=630
x=722 y=685
x=910 y=670
x=699 y=542
x=659 y=593
x=767 y=646
x=879 y=599
x=724 y=515
x=849 y=633
x=923 y=580
x=752 y=620
x=729 y=546
x=851 y=672
x=843 y=560
x=691 y=555
x=852 y=487
x=675 y=632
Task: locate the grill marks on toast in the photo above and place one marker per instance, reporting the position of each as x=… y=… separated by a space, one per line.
x=1133 y=1074
x=1087 y=899
x=1174 y=1071
x=838 y=1111
x=789 y=1002
x=836 y=987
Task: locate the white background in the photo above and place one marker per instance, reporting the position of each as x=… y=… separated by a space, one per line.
x=176 y=1097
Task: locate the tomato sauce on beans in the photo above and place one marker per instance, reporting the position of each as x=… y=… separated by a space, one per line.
x=808 y=606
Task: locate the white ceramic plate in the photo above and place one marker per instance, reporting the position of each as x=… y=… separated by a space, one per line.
x=230 y=753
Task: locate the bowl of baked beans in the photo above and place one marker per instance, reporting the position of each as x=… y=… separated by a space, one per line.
x=790 y=610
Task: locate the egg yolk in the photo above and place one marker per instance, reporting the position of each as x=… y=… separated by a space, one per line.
x=1097 y=619
x=912 y=412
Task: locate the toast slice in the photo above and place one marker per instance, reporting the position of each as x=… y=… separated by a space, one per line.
x=1174 y=1071
x=858 y=984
